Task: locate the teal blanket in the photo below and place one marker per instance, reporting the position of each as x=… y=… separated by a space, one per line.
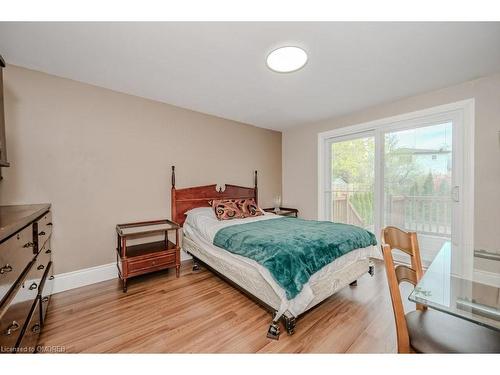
x=292 y=249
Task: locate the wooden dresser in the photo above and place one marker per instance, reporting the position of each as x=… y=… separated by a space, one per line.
x=26 y=275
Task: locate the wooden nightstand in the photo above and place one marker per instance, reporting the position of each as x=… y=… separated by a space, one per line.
x=284 y=211
x=141 y=258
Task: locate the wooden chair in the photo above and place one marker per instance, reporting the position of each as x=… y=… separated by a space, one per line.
x=394 y=238
x=426 y=330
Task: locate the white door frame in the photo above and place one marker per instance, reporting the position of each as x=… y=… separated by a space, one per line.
x=464 y=109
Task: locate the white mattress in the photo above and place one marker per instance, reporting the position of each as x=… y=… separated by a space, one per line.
x=200 y=229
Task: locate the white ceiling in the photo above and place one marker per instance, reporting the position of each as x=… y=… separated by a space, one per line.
x=219 y=68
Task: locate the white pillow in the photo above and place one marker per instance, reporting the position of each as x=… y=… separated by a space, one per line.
x=201 y=211
x=201 y=218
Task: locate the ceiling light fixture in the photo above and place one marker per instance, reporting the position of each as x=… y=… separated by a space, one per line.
x=286 y=59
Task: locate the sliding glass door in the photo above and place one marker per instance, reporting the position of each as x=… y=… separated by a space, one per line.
x=417 y=186
x=352 y=182
x=405 y=174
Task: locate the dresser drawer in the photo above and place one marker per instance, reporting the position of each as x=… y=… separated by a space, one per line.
x=34 y=279
x=43 y=229
x=15 y=254
x=15 y=313
x=46 y=290
x=27 y=343
x=43 y=258
x=136 y=266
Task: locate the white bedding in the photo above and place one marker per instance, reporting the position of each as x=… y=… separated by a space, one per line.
x=201 y=225
x=206 y=224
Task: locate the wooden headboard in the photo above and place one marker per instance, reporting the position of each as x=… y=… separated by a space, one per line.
x=186 y=199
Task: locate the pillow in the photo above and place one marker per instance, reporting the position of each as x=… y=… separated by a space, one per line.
x=201 y=211
x=249 y=208
x=227 y=209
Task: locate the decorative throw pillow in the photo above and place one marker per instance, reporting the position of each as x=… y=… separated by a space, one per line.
x=227 y=209
x=249 y=208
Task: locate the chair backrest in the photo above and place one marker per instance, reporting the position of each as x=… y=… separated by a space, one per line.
x=394 y=238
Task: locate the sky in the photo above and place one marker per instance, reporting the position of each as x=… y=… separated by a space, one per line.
x=429 y=137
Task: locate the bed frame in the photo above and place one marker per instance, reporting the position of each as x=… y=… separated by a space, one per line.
x=186 y=199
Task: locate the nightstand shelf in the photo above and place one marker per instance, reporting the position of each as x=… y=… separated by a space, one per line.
x=149 y=248
x=146 y=257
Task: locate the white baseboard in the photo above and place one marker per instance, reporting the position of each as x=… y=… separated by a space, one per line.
x=485 y=277
x=86 y=276
x=92 y=275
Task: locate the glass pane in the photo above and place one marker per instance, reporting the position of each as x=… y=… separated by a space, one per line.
x=418 y=183
x=352 y=182
x=145 y=228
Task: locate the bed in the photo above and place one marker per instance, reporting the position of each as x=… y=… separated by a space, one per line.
x=191 y=209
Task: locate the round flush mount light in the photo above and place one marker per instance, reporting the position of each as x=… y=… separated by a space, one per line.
x=286 y=59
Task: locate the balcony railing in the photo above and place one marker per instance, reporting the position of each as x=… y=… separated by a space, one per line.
x=424 y=214
x=429 y=215
x=344 y=212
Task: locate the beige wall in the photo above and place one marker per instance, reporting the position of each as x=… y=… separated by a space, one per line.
x=300 y=152
x=102 y=157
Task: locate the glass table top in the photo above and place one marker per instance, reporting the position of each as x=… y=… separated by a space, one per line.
x=467 y=299
x=135 y=229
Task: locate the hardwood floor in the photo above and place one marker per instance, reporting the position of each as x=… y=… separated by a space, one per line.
x=201 y=313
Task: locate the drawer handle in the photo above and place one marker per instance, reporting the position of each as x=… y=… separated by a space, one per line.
x=5 y=269
x=49 y=224
x=33 y=286
x=28 y=244
x=45 y=299
x=51 y=277
x=14 y=326
x=48 y=251
x=40 y=267
x=36 y=328
x=42 y=233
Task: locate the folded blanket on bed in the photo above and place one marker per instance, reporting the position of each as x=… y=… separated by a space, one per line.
x=293 y=249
